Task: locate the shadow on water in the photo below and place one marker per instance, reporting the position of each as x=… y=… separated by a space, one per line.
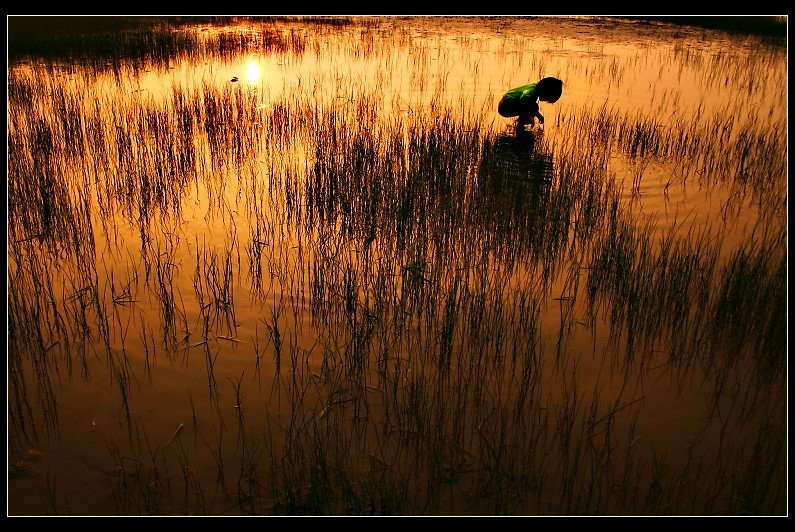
x=514 y=159
x=516 y=196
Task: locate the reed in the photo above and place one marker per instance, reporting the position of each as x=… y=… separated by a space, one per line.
x=458 y=319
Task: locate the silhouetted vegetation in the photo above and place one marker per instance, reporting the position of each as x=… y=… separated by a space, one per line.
x=346 y=298
x=770 y=26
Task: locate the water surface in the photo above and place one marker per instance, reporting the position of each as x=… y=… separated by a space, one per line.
x=305 y=268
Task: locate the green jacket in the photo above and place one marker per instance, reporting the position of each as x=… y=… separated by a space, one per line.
x=525 y=93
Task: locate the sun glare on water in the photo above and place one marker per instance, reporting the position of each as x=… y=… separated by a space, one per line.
x=253 y=73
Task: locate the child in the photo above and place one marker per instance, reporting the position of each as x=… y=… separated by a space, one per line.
x=523 y=101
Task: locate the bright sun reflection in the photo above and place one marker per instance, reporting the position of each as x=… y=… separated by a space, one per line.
x=252 y=72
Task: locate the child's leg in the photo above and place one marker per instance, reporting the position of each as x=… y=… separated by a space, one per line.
x=508 y=108
x=528 y=115
x=524 y=119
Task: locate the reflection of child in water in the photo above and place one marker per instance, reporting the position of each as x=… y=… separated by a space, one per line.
x=523 y=101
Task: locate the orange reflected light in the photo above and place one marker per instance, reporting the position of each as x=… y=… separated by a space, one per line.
x=253 y=73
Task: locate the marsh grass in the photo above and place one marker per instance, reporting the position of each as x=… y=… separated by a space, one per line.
x=397 y=314
x=102 y=41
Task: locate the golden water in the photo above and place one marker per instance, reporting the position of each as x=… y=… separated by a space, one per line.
x=183 y=221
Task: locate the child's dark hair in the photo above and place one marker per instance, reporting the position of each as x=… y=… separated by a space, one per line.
x=550 y=89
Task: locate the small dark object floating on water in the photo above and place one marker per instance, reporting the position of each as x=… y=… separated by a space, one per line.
x=234 y=79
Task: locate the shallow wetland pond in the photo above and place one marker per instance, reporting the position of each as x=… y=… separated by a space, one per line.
x=302 y=266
